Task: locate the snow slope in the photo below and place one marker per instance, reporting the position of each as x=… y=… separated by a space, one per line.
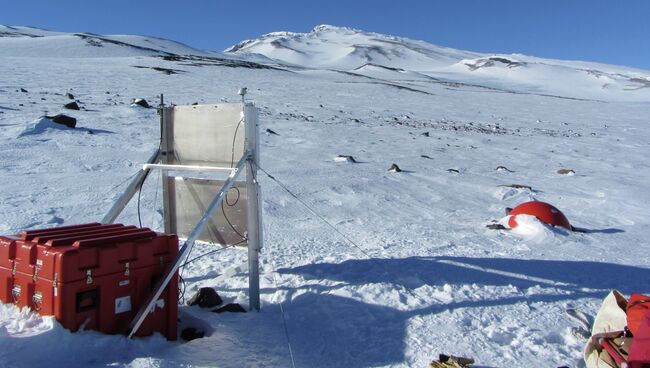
x=29 y=41
x=418 y=275
x=390 y=57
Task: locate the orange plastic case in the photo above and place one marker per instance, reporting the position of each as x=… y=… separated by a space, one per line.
x=91 y=276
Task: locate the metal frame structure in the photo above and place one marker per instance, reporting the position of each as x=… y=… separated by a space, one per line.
x=248 y=162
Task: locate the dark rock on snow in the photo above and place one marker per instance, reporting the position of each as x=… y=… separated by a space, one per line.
x=503 y=168
x=271 y=132
x=72 y=105
x=517 y=186
x=346 y=158
x=566 y=172
x=69 y=96
x=62 y=119
x=496 y=227
x=394 y=168
x=140 y=102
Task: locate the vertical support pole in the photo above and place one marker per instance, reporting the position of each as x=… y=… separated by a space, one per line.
x=145 y=309
x=167 y=157
x=254 y=222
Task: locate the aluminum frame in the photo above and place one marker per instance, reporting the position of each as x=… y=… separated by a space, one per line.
x=249 y=161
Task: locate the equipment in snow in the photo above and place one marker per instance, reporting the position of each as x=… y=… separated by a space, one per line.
x=206 y=297
x=639 y=356
x=191 y=333
x=450 y=361
x=637 y=309
x=232 y=307
x=544 y=212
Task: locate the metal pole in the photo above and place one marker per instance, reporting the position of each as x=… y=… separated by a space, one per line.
x=189 y=243
x=128 y=193
x=253 y=207
x=185 y=167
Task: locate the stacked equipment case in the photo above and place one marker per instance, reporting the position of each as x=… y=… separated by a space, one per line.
x=91 y=276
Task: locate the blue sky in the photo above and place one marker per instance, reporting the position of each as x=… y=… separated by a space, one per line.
x=608 y=31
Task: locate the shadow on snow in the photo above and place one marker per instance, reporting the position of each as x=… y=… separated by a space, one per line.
x=330 y=330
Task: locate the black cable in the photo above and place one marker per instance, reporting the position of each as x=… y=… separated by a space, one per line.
x=244 y=239
x=139 y=194
x=223 y=210
x=148 y=171
x=232 y=164
x=122 y=182
x=181 y=294
x=155 y=201
x=234 y=136
x=181 y=280
x=314 y=212
x=211 y=252
x=236 y=200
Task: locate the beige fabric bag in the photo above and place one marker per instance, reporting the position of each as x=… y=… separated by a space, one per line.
x=610 y=321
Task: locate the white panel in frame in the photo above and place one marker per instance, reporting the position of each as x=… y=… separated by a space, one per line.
x=211 y=134
x=206 y=135
x=192 y=198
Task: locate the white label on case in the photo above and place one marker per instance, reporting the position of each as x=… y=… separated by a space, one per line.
x=124 y=282
x=122 y=304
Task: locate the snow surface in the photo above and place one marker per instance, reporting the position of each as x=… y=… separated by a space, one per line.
x=424 y=276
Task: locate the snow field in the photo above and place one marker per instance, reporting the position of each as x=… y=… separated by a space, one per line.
x=424 y=276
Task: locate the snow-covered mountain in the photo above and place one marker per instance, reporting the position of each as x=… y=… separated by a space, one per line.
x=346 y=49
x=390 y=57
x=416 y=272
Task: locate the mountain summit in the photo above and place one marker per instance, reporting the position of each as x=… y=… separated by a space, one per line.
x=328 y=46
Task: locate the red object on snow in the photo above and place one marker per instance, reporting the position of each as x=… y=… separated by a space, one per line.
x=637 y=308
x=639 y=356
x=543 y=211
x=93 y=276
